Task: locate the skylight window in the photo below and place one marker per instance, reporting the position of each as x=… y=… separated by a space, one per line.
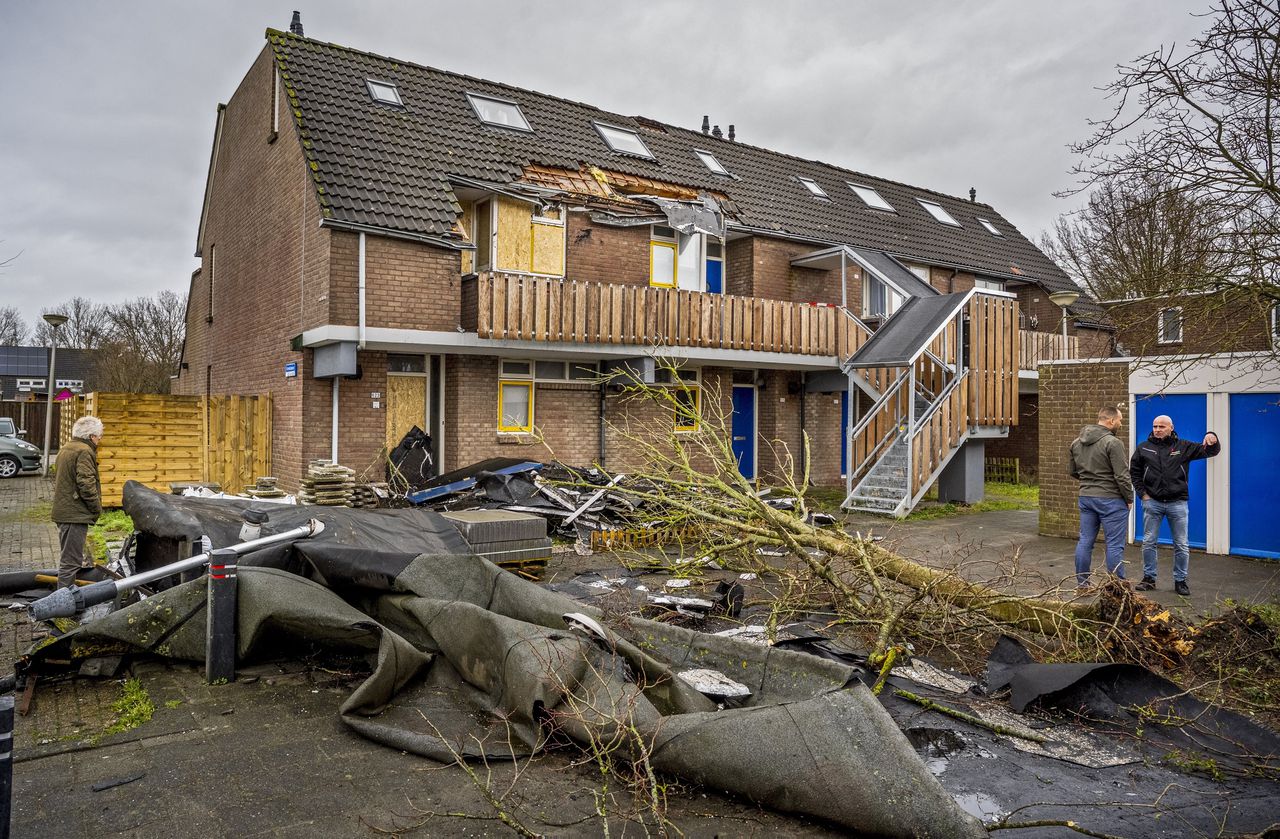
x=870 y=197
x=709 y=160
x=623 y=140
x=812 y=185
x=938 y=213
x=500 y=112
x=385 y=92
x=991 y=228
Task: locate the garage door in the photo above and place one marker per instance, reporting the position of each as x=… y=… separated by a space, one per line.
x=1188 y=413
x=1255 y=469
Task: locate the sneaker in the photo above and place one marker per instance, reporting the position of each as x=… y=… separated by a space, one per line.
x=1181 y=587
x=1147 y=584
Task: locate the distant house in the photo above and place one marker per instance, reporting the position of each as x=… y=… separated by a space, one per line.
x=1223 y=320
x=24 y=384
x=385 y=245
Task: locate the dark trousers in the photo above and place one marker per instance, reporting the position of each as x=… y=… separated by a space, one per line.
x=71 y=538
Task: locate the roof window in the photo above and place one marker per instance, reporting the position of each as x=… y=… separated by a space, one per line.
x=991 y=228
x=385 y=92
x=500 y=112
x=870 y=197
x=812 y=185
x=623 y=140
x=709 y=160
x=938 y=213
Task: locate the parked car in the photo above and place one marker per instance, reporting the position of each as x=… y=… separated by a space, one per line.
x=16 y=454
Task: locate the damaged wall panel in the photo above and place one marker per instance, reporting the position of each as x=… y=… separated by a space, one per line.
x=527 y=242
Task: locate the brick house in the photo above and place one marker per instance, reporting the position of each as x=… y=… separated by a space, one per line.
x=24 y=385
x=385 y=245
x=1225 y=320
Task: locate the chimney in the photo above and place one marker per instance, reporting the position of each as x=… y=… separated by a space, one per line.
x=716 y=132
x=295 y=27
x=706 y=124
x=973 y=195
x=732 y=136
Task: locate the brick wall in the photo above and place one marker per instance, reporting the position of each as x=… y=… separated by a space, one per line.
x=1023 y=441
x=1035 y=306
x=946 y=281
x=1211 y=323
x=1070 y=396
x=606 y=254
x=267 y=258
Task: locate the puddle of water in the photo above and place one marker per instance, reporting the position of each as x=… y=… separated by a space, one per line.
x=935 y=746
x=979 y=805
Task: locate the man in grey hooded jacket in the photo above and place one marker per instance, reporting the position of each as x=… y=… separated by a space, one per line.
x=1099 y=463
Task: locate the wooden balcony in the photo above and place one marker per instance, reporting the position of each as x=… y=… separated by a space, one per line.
x=519 y=307
x=1036 y=348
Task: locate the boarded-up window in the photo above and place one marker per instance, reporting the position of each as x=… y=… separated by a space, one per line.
x=484 y=236
x=528 y=242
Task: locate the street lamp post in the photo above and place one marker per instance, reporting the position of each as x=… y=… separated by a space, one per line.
x=54 y=320
x=1064 y=299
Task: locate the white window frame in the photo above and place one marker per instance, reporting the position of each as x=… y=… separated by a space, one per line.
x=938 y=212
x=378 y=90
x=31 y=384
x=813 y=187
x=991 y=228
x=475 y=98
x=566 y=370
x=877 y=202
x=894 y=297
x=603 y=129
x=1163 y=338
x=712 y=163
x=989 y=285
x=69 y=384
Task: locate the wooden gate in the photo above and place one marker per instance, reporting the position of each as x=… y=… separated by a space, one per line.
x=158 y=440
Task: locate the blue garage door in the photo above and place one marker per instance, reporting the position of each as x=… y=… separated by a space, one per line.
x=1255 y=465
x=1188 y=414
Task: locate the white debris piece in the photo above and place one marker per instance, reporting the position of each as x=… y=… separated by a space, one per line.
x=676 y=583
x=713 y=683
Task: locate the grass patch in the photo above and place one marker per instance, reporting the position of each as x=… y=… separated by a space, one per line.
x=998 y=496
x=131 y=710
x=112 y=524
x=39 y=512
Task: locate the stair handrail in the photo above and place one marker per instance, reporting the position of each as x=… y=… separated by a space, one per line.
x=875 y=409
x=936 y=404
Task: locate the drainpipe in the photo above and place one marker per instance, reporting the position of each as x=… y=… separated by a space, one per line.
x=333 y=443
x=951 y=281
x=600 y=456
x=844 y=287
x=361 y=295
x=804 y=385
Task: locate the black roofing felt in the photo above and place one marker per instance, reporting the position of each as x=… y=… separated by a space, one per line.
x=387 y=166
x=902 y=336
x=897 y=273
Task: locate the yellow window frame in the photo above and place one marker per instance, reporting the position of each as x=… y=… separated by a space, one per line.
x=502 y=385
x=681 y=413
x=675 y=263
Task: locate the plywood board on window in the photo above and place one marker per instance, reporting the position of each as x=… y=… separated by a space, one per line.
x=548 y=249
x=406 y=406
x=514 y=244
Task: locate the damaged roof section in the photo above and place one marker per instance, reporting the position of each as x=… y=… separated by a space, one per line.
x=391 y=167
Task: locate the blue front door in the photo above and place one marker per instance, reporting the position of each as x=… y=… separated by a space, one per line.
x=744 y=429
x=715 y=276
x=1187 y=410
x=1255 y=462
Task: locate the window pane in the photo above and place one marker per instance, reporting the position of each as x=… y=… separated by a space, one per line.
x=991 y=228
x=661 y=231
x=514 y=406
x=384 y=92
x=938 y=213
x=623 y=140
x=686 y=409
x=579 y=372
x=397 y=363
x=498 y=112
x=662 y=267
x=516 y=368
x=871 y=197
x=709 y=160
x=812 y=185
x=549 y=370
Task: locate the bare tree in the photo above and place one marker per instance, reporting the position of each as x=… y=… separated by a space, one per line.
x=1204 y=123
x=87 y=325
x=13 y=329
x=143 y=344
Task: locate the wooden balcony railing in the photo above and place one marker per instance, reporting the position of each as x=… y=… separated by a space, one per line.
x=512 y=306
x=1035 y=348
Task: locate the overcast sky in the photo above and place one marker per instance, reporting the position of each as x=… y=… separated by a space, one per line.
x=107 y=108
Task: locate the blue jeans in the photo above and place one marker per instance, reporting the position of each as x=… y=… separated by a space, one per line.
x=1113 y=516
x=1176 y=512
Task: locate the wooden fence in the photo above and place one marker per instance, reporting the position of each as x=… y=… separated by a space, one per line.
x=157 y=440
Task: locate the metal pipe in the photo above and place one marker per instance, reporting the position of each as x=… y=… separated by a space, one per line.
x=333 y=421
x=48 y=405
x=66 y=602
x=361 y=272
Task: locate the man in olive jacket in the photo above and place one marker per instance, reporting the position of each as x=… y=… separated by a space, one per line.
x=1099 y=463
x=1159 y=472
x=77 y=495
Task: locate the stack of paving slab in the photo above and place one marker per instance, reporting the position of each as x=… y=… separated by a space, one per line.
x=327 y=484
x=517 y=542
x=365 y=495
x=264 y=487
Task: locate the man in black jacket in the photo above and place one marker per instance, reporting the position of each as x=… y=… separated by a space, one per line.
x=1159 y=472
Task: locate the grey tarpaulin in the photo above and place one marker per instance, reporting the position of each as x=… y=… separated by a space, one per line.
x=476 y=661
x=703 y=215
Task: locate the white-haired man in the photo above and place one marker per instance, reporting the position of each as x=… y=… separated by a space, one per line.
x=77 y=495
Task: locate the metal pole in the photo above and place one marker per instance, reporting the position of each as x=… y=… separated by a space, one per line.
x=220 y=632
x=48 y=408
x=6 y=763
x=1064 y=329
